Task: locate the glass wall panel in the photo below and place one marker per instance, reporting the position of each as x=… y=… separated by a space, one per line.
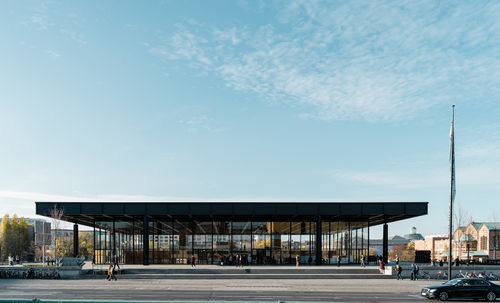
x=281 y=243
x=165 y=241
x=303 y=241
x=203 y=242
x=123 y=244
x=326 y=243
x=221 y=242
x=103 y=254
x=261 y=242
x=241 y=241
x=183 y=248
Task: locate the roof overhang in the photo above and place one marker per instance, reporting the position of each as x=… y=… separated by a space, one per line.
x=373 y=212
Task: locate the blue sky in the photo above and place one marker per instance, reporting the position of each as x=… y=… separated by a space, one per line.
x=250 y=101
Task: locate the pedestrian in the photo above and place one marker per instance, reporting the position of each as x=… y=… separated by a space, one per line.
x=193 y=261
x=457 y=262
x=111 y=273
x=239 y=261
x=441 y=263
x=297 y=261
x=382 y=266
x=115 y=264
x=412 y=273
x=416 y=271
x=362 y=259
x=399 y=270
x=338 y=261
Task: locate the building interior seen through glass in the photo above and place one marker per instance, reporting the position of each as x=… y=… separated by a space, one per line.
x=174 y=241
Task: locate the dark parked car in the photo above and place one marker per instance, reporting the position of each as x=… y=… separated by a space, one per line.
x=463 y=288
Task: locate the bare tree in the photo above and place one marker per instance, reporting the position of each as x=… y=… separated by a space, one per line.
x=56 y=214
x=462 y=218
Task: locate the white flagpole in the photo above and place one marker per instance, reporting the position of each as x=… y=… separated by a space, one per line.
x=452 y=188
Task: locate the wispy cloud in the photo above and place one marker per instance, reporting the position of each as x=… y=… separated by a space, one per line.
x=78 y=38
x=53 y=53
x=393 y=179
x=372 y=60
x=39 y=17
x=201 y=122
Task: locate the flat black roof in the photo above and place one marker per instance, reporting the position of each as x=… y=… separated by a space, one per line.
x=374 y=212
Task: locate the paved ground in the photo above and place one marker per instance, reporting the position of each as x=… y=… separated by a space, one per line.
x=338 y=290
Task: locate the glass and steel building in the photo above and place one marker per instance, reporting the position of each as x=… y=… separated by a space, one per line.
x=258 y=233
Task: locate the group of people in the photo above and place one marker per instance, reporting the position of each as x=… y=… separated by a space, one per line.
x=238 y=260
x=13 y=260
x=112 y=269
x=414 y=269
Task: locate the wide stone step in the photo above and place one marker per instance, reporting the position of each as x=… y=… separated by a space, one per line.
x=234 y=271
x=251 y=276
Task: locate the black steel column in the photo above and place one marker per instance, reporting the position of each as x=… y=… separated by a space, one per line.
x=145 y=241
x=385 y=243
x=75 y=240
x=318 y=240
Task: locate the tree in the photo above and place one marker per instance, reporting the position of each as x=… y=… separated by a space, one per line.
x=4 y=236
x=404 y=252
x=85 y=246
x=56 y=214
x=461 y=218
x=14 y=237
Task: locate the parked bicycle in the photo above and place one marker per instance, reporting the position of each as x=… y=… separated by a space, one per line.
x=29 y=273
x=425 y=275
x=442 y=275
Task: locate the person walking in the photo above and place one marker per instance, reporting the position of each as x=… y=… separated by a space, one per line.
x=115 y=262
x=338 y=261
x=362 y=259
x=417 y=268
x=111 y=273
x=413 y=270
x=399 y=270
x=297 y=262
x=193 y=261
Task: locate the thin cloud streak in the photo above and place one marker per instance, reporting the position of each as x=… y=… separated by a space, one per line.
x=378 y=62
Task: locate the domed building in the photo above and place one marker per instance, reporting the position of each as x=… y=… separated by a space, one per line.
x=413 y=235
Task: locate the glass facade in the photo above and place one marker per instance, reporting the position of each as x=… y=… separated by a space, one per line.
x=173 y=241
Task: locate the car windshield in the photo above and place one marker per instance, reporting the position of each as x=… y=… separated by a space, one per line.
x=452 y=282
